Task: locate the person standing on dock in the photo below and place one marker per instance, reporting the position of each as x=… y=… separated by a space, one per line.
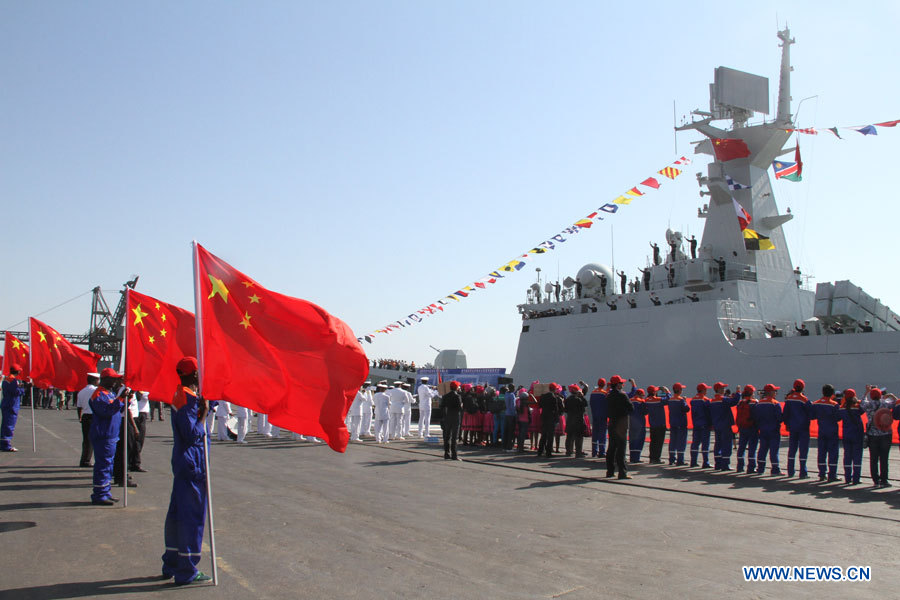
x=106 y=406
x=722 y=420
x=426 y=395
x=82 y=404
x=13 y=390
x=825 y=412
x=598 y=419
x=748 y=432
x=678 y=410
x=878 y=432
x=451 y=411
x=701 y=421
x=767 y=415
x=797 y=416
x=620 y=408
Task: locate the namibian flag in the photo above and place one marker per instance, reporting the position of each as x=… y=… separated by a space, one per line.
x=787 y=170
x=754 y=240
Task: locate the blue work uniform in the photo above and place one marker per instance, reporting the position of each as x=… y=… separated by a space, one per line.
x=797 y=415
x=722 y=419
x=853 y=440
x=700 y=439
x=599 y=418
x=767 y=415
x=678 y=410
x=105 y=426
x=187 y=507
x=656 y=416
x=637 y=429
x=825 y=412
x=13 y=390
x=748 y=434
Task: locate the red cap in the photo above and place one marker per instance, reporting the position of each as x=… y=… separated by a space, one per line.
x=799 y=384
x=466 y=387
x=109 y=373
x=677 y=387
x=555 y=387
x=186 y=366
x=615 y=379
x=652 y=389
x=601 y=383
x=574 y=387
x=770 y=388
x=702 y=387
x=454 y=385
x=640 y=392
x=479 y=389
x=15 y=367
x=849 y=393
x=749 y=390
x=875 y=393
x=719 y=386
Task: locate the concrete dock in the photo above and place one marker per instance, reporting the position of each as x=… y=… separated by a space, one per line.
x=298 y=520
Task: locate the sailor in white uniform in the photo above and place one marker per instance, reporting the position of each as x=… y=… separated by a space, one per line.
x=425 y=394
x=223 y=411
x=243 y=422
x=262 y=424
x=354 y=415
x=398 y=401
x=365 y=425
x=407 y=410
x=382 y=412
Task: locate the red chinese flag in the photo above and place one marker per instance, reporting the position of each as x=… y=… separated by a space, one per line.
x=157 y=336
x=279 y=355
x=57 y=362
x=730 y=149
x=15 y=353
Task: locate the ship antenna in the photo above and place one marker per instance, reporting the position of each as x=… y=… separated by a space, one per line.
x=784 y=83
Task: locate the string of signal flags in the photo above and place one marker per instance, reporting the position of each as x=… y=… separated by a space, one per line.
x=249 y=338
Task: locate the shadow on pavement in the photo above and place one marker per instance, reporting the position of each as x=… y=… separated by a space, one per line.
x=84 y=589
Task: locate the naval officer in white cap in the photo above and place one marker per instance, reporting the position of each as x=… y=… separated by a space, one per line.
x=425 y=394
x=85 y=415
x=398 y=400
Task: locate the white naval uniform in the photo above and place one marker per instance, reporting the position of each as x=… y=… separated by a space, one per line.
x=365 y=425
x=382 y=412
x=354 y=416
x=243 y=424
x=407 y=415
x=222 y=412
x=262 y=424
x=426 y=394
x=398 y=401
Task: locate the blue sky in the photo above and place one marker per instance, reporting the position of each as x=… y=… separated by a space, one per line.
x=374 y=156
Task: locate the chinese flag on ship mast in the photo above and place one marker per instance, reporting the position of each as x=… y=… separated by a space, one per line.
x=157 y=336
x=279 y=355
x=57 y=362
x=15 y=352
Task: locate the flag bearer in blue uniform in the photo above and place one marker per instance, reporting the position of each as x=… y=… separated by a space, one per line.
x=13 y=390
x=106 y=406
x=851 y=416
x=722 y=421
x=599 y=417
x=701 y=421
x=678 y=410
x=748 y=431
x=767 y=414
x=637 y=426
x=797 y=415
x=187 y=507
x=656 y=415
x=825 y=412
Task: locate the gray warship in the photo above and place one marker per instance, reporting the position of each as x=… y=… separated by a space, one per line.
x=681 y=323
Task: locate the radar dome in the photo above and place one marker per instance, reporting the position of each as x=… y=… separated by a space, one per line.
x=589 y=275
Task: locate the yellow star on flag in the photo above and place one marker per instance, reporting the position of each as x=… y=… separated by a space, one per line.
x=248 y=284
x=16 y=344
x=157 y=306
x=163 y=332
x=152 y=340
x=163 y=316
x=43 y=337
x=254 y=299
x=138 y=315
x=245 y=322
x=218 y=287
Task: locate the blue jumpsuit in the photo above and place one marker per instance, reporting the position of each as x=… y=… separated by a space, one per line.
x=767 y=414
x=678 y=410
x=9 y=407
x=748 y=435
x=797 y=415
x=722 y=419
x=825 y=412
x=186 y=518
x=853 y=439
x=656 y=415
x=104 y=434
x=701 y=420
x=598 y=423
x=637 y=429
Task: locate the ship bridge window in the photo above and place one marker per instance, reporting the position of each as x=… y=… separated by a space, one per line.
x=751 y=304
x=525 y=328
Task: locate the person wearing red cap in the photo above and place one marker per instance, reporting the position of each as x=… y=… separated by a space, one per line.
x=186 y=517
x=767 y=415
x=106 y=406
x=620 y=407
x=678 y=424
x=797 y=416
x=722 y=420
x=551 y=404
x=852 y=426
x=451 y=406
x=656 y=416
x=701 y=422
x=598 y=419
x=748 y=432
x=575 y=406
x=878 y=407
x=13 y=390
x=825 y=412
x=637 y=423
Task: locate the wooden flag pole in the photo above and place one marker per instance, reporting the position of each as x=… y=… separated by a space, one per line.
x=209 y=501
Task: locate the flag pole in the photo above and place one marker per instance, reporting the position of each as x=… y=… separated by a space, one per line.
x=124 y=433
x=209 y=502
x=31 y=391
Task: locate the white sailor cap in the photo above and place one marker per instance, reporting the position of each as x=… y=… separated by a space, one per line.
x=367 y=382
x=97 y=375
x=423 y=379
x=398 y=383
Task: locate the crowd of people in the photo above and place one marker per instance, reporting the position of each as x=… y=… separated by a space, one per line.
x=394 y=364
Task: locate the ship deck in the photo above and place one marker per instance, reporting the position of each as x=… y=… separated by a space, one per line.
x=297 y=520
